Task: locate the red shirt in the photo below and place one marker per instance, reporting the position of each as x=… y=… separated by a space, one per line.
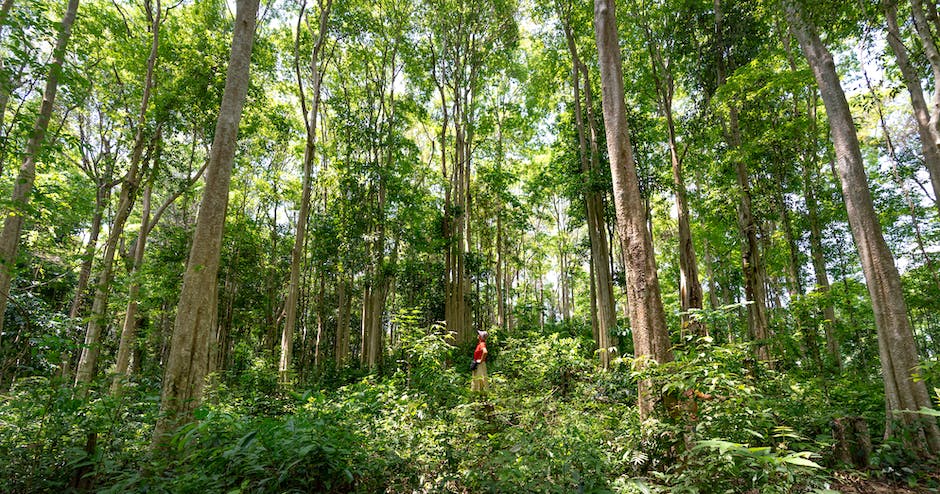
x=480 y=352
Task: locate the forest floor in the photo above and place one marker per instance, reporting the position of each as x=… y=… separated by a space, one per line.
x=856 y=483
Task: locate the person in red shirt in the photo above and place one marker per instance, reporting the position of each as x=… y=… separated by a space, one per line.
x=478 y=384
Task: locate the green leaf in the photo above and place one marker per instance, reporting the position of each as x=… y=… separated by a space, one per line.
x=799 y=460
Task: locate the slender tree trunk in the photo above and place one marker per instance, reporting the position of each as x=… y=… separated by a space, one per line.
x=926 y=132
x=98 y=319
x=89 y=358
x=889 y=144
x=129 y=331
x=650 y=336
x=88 y=256
x=932 y=51
x=895 y=337
x=808 y=169
x=147 y=223
x=102 y=195
x=310 y=122
x=751 y=261
x=690 y=288
x=604 y=315
x=188 y=363
x=500 y=272
x=6 y=84
x=606 y=302
x=342 y=320
x=13 y=222
x=317 y=356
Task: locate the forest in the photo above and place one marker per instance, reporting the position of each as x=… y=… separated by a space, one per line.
x=646 y=246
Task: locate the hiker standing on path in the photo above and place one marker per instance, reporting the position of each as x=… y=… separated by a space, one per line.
x=478 y=384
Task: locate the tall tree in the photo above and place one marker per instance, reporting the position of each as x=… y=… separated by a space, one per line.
x=930 y=137
x=647 y=317
x=316 y=69
x=752 y=262
x=603 y=308
x=130 y=186
x=464 y=43
x=662 y=63
x=13 y=220
x=895 y=338
x=188 y=360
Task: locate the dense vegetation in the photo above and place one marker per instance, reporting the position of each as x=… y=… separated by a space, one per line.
x=247 y=247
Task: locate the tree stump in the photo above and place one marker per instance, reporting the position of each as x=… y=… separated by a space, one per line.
x=852 y=441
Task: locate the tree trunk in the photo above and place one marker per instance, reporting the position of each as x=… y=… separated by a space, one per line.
x=89 y=358
x=147 y=223
x=102 y=196
x=752 y=264
x=932 y=51
x=310 y=122
x=13 y=222
x=342 y=320
x=188 y=363
x=808 y=165
x=129 y=329
x=895 y=338
x=604 y=315
x=690 y=288
x=926 y=132
x=650 y=336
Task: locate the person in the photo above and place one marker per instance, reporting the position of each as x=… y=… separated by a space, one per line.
x=478 y=384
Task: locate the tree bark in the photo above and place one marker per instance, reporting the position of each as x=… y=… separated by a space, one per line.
x=895 y=337
x=13 y=222
x=188 y=360
x=650 y=336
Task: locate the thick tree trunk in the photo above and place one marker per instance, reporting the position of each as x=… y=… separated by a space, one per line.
x=650 y=336
x=188 y=360
x=895 y=337
x=13 y=222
